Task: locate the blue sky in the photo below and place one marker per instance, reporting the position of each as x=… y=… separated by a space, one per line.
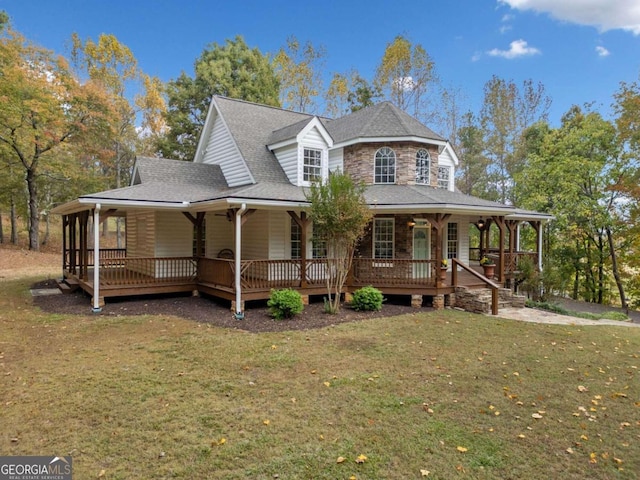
x=579 y=49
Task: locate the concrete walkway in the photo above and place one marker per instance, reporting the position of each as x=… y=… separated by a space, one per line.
x=540 y=316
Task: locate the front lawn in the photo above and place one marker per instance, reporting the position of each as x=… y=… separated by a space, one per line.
x=439 y=395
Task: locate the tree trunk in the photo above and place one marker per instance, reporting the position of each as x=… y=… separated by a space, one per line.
x=1 y=230
x=34 y=216
x=47 y=224
x=616 y=273
x=14 y=222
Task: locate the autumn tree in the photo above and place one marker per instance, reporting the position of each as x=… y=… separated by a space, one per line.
x=406 y=76
x=233 y=70
x=573 y=172
x=340 y=216
x=506 y=112
x=299 y=69
x=44 y=108
x=349 y=93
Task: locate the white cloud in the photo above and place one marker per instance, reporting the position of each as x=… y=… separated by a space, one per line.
x=517 y=48
x=505 y=28
x=602 y=14
x=476 y=56
x=602 y=52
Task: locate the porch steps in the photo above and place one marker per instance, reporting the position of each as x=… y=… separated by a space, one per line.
x=478 y=300
x=68 y=285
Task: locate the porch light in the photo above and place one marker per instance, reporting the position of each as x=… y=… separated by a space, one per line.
x=411 y=224
x=480 y=224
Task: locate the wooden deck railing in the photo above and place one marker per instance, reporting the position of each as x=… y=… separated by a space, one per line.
x=149 y=270
x=105 y=254
x=394 y=272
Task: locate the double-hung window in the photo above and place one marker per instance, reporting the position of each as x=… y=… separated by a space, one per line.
x=383 y=238
x=443 y=177
x=312 y=164
x=296 y=240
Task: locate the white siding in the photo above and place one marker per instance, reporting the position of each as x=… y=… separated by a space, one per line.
x=174 y=235
x=255 y=238
x=222 y=150
x=445 y=160
x=463 y=237
x=279 y=235
x=336 y=159
x=219 y=234
x=140 y=233
x=288 y=159
x=314 y=139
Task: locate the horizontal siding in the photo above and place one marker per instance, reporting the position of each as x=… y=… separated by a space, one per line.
x=255 y=238
x=279 y=235
x=174 y=235
x=336 y=157
x=314 y=139
x=288 y=159
x=219 y=235
x=222 y=150
x=140 y=233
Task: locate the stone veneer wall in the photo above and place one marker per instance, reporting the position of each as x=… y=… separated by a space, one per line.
x=359 y=161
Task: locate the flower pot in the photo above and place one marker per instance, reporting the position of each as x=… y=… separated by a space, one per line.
x=443 y=273
x=489 y=270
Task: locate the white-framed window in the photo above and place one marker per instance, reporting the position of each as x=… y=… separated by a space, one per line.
x=385 y=166
x=443 y=176
x=383 y=233
x=296 y=240
x=318 y=248
x=311 y=164
x=452 y=240
x=423 y=167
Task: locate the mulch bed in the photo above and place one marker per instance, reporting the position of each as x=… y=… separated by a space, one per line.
x=213 y=311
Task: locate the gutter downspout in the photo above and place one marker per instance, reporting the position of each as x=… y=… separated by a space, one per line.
x=96 y=260
x=239 y=314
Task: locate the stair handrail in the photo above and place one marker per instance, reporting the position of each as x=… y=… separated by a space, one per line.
x=455 y=263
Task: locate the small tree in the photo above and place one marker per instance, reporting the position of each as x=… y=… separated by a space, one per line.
x=340 y=217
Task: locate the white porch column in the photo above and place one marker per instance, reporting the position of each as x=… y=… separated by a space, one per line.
x=239 y=314
x=518 y=236
x=96 y=259
x=540 y=246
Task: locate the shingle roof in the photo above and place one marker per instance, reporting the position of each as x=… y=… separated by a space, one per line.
x=380 y=120
x=288 y=132
x=251 y=126
x=152 y=169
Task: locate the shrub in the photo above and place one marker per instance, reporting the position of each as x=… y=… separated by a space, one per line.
x=368 y=299
x=285 y=303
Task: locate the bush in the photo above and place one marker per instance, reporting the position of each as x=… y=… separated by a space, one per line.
x=367 y=299
x=285 y=303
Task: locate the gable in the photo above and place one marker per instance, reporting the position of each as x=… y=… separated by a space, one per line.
x=221 y=149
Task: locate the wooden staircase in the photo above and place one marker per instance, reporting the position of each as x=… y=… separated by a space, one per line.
x=478 y=300
x=68 y=285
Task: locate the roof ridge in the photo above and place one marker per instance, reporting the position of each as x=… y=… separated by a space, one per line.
x=396 y=112
x=272 y=107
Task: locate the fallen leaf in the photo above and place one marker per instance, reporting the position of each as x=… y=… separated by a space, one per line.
x=462 y=449
x=537 y=416
x=582 y=388
x=361 y=458
x=102 y=473
x=222 y=441
x=569 y=450
x=326 y=384
x=424 y=473
x=593 y=458
x=340 y=460
x=266 y=422
x=273 y=347
x=521 y=436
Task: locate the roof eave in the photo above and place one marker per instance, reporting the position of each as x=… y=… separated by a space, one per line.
x=353 y=141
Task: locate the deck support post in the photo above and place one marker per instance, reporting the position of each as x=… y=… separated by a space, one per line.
x=97 y=307
x=239 y=311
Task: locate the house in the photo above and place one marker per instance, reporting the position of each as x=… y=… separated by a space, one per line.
x=233 y=223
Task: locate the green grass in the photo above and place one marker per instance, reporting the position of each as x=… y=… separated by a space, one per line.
x=153 y=396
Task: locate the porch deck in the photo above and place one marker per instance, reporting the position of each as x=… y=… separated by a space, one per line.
x=121 y=276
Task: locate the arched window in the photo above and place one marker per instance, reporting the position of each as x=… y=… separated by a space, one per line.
x=423 y=167
x=385 y=166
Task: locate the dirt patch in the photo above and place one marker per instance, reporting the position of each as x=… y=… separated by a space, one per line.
x=213 y=311
x=16 y=262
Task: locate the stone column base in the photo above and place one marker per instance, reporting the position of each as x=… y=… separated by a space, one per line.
x=438 y=302
x=416 y=301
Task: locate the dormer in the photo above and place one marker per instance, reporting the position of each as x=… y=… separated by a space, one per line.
x=302 y=149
